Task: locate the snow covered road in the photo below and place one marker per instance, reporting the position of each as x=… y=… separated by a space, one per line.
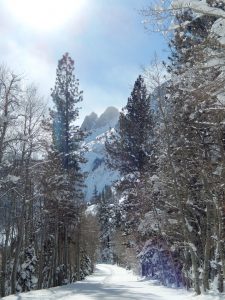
x=109 y=283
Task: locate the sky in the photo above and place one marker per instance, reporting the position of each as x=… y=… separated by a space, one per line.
x=106 y=38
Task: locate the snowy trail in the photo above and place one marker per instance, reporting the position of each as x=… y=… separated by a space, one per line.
x=108 y=283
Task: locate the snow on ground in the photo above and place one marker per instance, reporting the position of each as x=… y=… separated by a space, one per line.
x=92 y=210
x=111 y=282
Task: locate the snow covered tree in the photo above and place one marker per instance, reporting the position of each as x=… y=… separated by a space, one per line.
x=131 y=150
x=26 y=279
x=67 y=136
x=197 y=152
x=85 y=265
x=21 y=143
x=130 y=147
x=194 y=140
x=65 y=95
x=107 y=223
x=62 y=182
x=96 y=196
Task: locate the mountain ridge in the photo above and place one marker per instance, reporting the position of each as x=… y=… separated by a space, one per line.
x=98 y=173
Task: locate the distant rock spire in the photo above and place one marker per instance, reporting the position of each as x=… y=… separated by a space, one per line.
x=109 y=118
x=89 y=121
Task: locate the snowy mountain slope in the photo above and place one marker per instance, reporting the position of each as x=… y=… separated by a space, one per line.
x=112 y=282
x=98 y=174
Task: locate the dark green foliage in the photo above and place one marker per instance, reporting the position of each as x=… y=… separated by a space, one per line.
x=66 y=136
x=26 y=279
x=62 y=180
x=107 y=217
x=130 y=147
x=85 y=265
x=132 y=150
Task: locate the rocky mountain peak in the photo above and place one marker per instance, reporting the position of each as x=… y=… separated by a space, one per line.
x=108 y=118
x=89 y=121
x=99 y=175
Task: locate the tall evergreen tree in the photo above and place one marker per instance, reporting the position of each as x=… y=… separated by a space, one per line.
x=67 y=136
x=107 y=223
x=66 y=94
x=131 y=150
x=65 y=201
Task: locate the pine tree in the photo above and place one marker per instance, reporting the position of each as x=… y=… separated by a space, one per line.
x=66 y=136
x=66 y=94
x=131 y=150
x=26 y=279
x=130 y=147
x=107 y=223
x=195 y=133
x=95 y=197
x=64 y=179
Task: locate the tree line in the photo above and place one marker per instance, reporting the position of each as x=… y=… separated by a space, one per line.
x=46 y=237
x=169 y=148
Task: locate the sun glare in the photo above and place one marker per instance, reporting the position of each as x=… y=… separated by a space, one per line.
x=45 y=15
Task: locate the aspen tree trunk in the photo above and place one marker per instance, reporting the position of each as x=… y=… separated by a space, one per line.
x=17 y=252
x=178 y=198
x=22 y=236
x=78 y=250
x=5 y=123
x=195 y=272
x=221 y=207
x=56 y=253
x=207 y=248
x=220 y=247
x=66 y=250
x=41 y=256
x=4 y=261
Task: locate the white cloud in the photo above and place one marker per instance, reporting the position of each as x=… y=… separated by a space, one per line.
x=44 y=15
x=35 y=68
x=100 y=43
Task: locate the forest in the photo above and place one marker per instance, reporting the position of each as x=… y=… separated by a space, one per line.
x=164 y=217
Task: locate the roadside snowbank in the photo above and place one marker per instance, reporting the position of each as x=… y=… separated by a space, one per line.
x=112 y=282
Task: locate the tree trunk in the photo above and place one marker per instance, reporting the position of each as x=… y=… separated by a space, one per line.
x=17 y=254
x=78 y=251
x=195 y=272
x=207 y=248
x=4 y=262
